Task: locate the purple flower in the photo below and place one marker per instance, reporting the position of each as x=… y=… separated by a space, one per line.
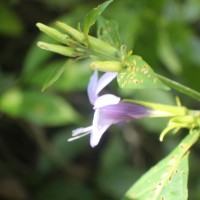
x=108 y=109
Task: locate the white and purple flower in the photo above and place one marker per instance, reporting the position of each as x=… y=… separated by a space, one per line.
x=109 y=109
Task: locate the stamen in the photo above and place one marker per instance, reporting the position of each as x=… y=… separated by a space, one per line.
x=81 y=130
x=79 y=136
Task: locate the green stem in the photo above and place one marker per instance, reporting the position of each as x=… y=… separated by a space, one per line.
x=179 y=87
x=91 y=52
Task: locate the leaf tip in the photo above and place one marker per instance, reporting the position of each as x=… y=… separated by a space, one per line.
x=43 y=89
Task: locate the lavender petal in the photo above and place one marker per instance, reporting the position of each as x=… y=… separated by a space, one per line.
x=105 y=79
x=125 y=111
x=91 y=90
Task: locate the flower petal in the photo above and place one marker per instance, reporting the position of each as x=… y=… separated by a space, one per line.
x=105 y=100
x=105 y=79
x=124 y=111
x=100 y=125
x=91 y=90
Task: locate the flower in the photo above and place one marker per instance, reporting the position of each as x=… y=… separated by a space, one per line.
x=109 y=109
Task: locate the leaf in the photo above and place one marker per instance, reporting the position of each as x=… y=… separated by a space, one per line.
x=138 y=75
x=40 y=108
x=167 y=54
x=167 y=179
x=35 y=58
x=10 y=23
x=55 y=75
x=70 y=79
x=108 y=31
x=91 y=17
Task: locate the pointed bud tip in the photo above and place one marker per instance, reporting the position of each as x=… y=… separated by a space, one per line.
x=58 y=23
x=40 y=25
x=42 y=45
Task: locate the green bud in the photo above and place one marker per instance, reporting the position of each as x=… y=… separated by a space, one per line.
x=71 y=31
x=179 y=122
x=63 y=50
x=107 y=66
x=55 y=34
x=102 y=47
x=96 y=44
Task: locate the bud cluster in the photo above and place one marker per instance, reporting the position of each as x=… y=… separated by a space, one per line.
x=75 y=44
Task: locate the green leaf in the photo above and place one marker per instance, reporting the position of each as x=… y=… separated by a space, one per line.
x=167 y=54
x=138 y=75
x=55 y=75
x=35 y=58
x=91 y=17
x=70 y=79
x=40 y=108
x=10 y=23
x=108 y=31
x=167 y=179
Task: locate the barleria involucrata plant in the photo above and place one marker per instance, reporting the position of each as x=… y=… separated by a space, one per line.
x=168 y=178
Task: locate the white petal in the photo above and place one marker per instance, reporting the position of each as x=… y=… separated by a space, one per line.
x=91 y=90
x=105 y=100
x=105 y=79
x=100 y=125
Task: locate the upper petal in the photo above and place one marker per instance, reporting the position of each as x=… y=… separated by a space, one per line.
x=91 y=90
x=105 y=100
x=105 y=79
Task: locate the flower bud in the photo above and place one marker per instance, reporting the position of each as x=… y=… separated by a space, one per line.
x=55 y=34
x=63 y=50
x=107 y=66
x=96 y=44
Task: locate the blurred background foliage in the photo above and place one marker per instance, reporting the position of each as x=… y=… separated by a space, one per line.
x=36 y=161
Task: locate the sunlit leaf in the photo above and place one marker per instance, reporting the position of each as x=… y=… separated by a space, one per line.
x=108 y=31
x=91 y=17
x=138 y=75
x=167 y=179
x=40 y=108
